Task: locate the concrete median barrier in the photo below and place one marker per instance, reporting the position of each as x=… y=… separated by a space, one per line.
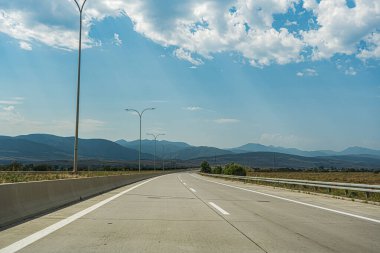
x=19 y=201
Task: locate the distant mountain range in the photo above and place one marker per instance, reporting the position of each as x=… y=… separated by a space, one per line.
x=281 y=160
x=174 y=150
x=184 y=151
x=253 y=147
x=44 y=147
x=163 y=147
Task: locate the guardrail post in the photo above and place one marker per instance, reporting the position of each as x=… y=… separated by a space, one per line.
x=366 y=195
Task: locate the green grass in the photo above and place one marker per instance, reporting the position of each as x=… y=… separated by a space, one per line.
x=375 y=197
x=15 y=177
x=344 y=177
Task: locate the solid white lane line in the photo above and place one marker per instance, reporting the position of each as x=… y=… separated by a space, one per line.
x=191 y=189
x=46 y=231
x=295 y=201
x=221 y=210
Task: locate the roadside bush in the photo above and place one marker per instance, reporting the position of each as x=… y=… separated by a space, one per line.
x=234 y=169
x=217 y=170
x=205 y=167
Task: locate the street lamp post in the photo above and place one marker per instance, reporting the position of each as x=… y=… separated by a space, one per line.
x=140 y=115
x=163 y=159
x=155 y=147
x=75 y=165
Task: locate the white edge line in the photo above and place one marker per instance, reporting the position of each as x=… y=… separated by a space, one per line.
x=16 y=246
x=219 y=208
x=295 y=201
x=193 y=190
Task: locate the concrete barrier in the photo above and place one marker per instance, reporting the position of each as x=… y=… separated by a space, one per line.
x=19 y=201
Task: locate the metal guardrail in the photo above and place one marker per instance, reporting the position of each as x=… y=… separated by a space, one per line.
x=367 y=188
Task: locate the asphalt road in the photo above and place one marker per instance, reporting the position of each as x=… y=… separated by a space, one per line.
x=191 y=213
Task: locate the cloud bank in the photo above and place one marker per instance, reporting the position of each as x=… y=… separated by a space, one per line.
x=264 y=32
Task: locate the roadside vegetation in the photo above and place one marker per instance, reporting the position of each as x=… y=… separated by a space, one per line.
x=358 y=177
x=22 y=176
x=228 y=169
x=347 y=176
x=17 y=172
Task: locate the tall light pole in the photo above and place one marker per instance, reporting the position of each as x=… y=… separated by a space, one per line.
x=140 y=115
x=75 y=165
x=163 y=159
x=155 y=147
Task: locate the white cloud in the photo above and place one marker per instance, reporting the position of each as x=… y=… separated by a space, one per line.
x=25 y=45
x=199 y=29
x=206 y=28
x=117 y=41
x=193 y=108
x=350 y=71
x=17 y=25
x=53 y=23
x=226 y=121
x=9 y=108
x=341 y=28
x=8 y=113
x=373 y=49
x=290 y=23
x=9 y=117
x=307 y=72
x=182 y=54
x=9 y=102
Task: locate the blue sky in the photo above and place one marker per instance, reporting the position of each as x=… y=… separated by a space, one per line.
x=301 y=74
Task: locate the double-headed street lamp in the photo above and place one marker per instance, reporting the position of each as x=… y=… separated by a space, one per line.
x=155 y=147
x=140 y=115
x=75 y=165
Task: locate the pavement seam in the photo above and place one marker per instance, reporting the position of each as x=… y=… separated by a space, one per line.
x=220 y=215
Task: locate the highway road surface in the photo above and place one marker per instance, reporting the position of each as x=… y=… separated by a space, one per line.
x=186 y=212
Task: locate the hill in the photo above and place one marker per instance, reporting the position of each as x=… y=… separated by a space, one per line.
x=194 y=152
x=147 y=146
x=280 y=160
x=12 y=149
x=56 y=149
x=254 y=147
x=43 y=147
x=174 y=150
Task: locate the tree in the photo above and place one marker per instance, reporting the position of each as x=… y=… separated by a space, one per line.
x=234 y=169
x=205 y=167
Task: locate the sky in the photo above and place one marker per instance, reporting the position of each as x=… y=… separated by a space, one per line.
x=222 y=73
